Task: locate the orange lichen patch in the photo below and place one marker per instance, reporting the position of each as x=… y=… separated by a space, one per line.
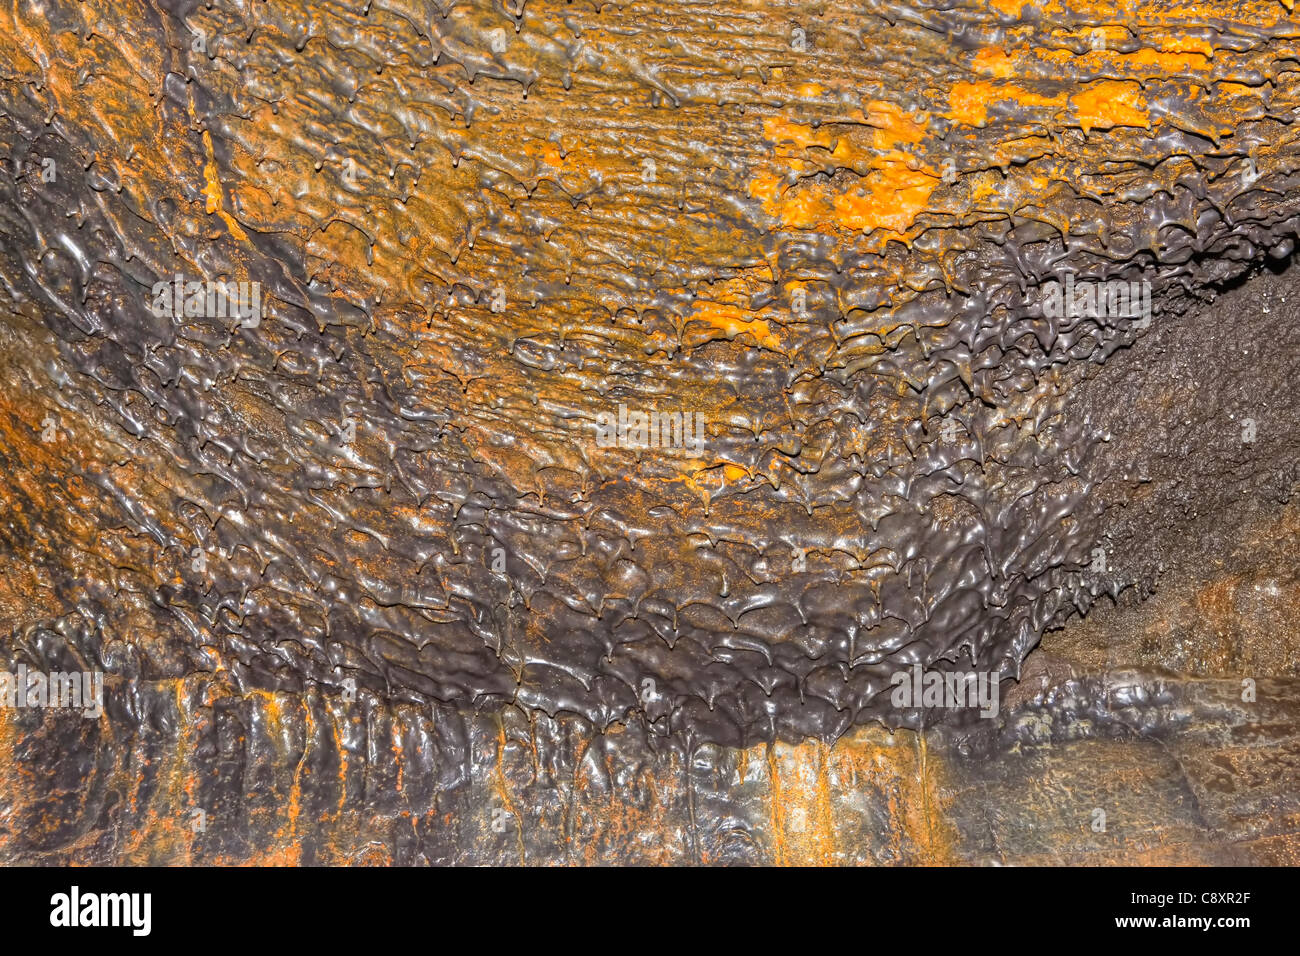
x=890 y=198
x=213 y=193
x=896 y=191
x=1187 y=44
x=1237 y=89
x=1108 y=104
x=733 y=320
x=969 y=102
x=551 y=156
x=780 y=130
x=894 y=185
x=894 y=126
x=1100 y=106
x=1010 y=8
x=800 y=210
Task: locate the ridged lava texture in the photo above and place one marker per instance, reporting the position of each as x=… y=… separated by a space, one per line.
x=825 y=228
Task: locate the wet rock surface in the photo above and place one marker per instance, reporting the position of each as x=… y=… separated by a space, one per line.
x=369 y=583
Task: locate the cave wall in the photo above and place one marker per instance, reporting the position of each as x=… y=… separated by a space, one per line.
x=828 y=230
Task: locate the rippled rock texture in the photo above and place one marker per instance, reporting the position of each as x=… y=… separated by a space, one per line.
x=370 y=576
